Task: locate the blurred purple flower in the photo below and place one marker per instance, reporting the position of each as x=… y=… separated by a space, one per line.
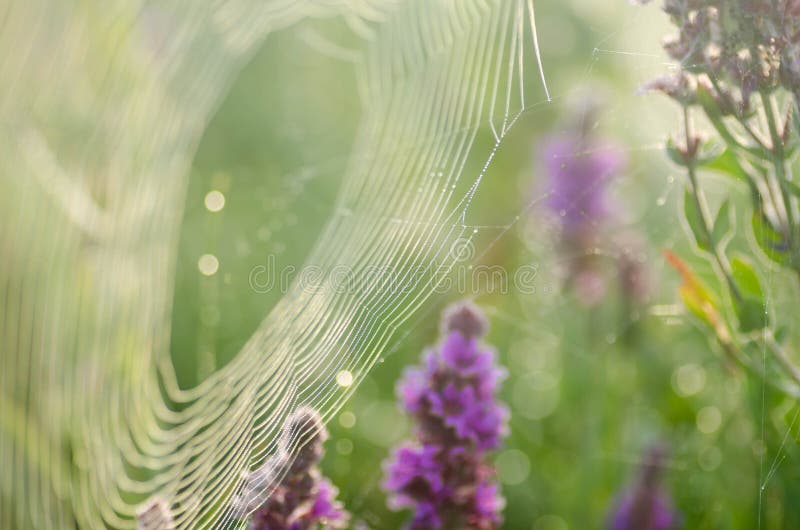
x=646 y=506
x=416 y=471
x=578 y=173
x=442 y=474
x=635 y=279
x=489 y=503
x=463 y=355
x=288 y=492
x=413 y=388
x=639 y=512
x=325 y=507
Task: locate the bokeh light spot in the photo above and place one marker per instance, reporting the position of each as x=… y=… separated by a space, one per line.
x=513 y=466
x=208 y=264
x=382 y=423
x=689 y=379
x=214 y=201
x=347 y=420
x=535 y=395
x=710 y=458
x=709 y=419
x=344 y=446
x=344 y=378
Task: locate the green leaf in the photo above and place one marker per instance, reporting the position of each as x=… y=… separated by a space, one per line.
x=770 y=241
x=746 y=278
x=709 y=104
x=710 y=151
x=674 y=153
x=695 y=220
x=727 y=163
x=781 y=334
x=696 y=296
x=752 y=315
x=794 y=188
x=723 y=223
x=751 y=309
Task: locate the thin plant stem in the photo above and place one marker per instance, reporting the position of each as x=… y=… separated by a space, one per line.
x=705 y=215
x=778 y=160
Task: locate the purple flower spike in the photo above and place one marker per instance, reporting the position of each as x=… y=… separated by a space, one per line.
x=579 y=168
x=646 y=506
x=442 y=475
x=288 y=492
x=413 y=389
x=325 y=506
x=463 y=355
x=578 y=175
x=415 y=472
x=489 y=503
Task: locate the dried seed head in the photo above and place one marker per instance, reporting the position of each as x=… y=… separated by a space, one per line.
x=680 y=87
x=288 y=491
x=302 y=439
x=466 y=318
x=154 y=515
x=258 y=484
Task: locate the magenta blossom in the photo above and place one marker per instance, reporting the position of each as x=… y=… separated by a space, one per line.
x=578 y=174
x=443 y=475
x=579 y=169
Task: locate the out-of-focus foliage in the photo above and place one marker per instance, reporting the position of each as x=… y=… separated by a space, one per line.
x=589 y=389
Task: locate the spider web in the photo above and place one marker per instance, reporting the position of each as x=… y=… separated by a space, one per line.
x=102 y=110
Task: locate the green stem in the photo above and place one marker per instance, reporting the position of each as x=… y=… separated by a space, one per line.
x=725 y=341
x=796 y=97
x=779 y=159
x=783 y=357
x=705 y=215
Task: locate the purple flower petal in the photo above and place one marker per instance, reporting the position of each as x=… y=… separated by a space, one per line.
x=412 y=389
x=578 y=175
x=414 y=471
x=452 y=397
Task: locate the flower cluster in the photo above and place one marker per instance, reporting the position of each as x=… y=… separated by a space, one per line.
x=740 y=68
x=646 y=506
x=288 y=492
x=442 y=474
x=730 y=49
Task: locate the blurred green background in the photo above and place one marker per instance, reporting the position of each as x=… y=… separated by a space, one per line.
x=589 y=389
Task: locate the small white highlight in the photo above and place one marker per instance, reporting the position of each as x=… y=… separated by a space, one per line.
x=214 y=201
x=344 y=378
x=208 y=264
